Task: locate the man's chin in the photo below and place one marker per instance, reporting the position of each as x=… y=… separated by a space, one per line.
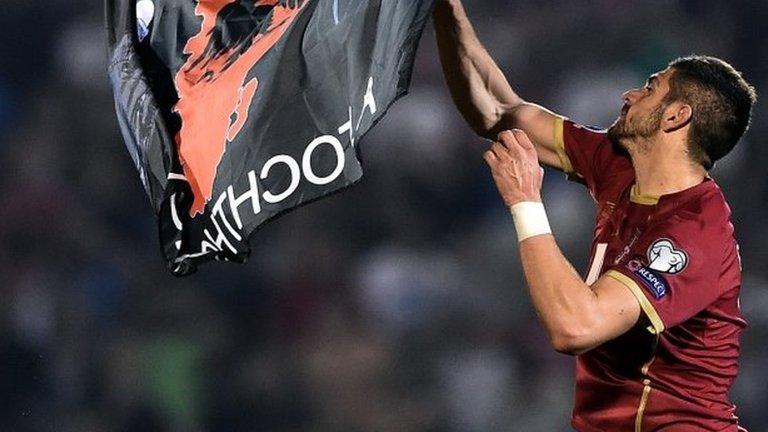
x=614 y=132
x=618 y=136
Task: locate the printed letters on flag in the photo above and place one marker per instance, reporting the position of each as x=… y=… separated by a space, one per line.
x=237 y=111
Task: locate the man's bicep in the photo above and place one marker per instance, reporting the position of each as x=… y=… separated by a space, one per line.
x=539 y=124
x=618 y=310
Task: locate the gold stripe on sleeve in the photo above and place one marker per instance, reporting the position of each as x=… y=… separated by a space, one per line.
x=565 y=162
x=645 y=304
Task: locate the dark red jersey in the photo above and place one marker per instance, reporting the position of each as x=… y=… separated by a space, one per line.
x=678 y=255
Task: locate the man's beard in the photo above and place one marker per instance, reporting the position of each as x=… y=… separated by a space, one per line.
x=624 y=133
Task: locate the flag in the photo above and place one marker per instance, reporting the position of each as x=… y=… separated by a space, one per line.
x=237 y=111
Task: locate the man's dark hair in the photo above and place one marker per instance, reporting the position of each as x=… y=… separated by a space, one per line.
x=721 y=100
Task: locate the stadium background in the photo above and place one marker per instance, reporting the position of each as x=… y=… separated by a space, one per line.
x=396 y=306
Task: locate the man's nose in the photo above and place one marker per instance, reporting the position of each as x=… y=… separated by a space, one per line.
x=630 y=96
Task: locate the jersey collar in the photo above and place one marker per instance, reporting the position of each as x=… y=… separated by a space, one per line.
x=651 y=200
x=636 y=197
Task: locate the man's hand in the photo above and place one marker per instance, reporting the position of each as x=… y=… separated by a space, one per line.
x=515 y=168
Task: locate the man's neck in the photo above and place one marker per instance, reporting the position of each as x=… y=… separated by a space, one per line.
x=659 y=172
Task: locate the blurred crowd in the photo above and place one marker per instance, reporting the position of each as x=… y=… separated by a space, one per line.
x=398 y=305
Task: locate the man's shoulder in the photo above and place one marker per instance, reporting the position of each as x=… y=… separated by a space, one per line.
x=706 y=207
x=703 y=216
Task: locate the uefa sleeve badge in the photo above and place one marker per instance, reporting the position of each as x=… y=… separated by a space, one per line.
x=664 y=257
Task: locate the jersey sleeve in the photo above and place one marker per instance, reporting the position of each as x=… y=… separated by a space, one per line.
x=673 y=271
x=588 y=156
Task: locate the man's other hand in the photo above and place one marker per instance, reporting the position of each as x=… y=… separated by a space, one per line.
x=515 y=168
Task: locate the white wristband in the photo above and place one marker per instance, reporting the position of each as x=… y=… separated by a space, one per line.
x=530 y=219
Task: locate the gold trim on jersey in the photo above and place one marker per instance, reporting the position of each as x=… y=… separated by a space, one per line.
x=636 y=197
x=657 y=325
x=646 y=387
x=565 y=162
x=643 y=403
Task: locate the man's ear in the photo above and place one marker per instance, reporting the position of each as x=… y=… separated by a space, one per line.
x=677 y=115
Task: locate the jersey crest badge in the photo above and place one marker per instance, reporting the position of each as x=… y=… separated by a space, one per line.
x=665 y=258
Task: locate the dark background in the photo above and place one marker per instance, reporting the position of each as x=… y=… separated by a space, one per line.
x=396 y=306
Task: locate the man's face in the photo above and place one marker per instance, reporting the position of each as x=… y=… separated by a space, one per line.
x=641 y=115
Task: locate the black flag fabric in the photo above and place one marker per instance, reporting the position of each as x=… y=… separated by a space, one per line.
x=236 y=111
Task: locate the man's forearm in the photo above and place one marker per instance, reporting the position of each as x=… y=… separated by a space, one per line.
x=566 y=306
x=478 y=87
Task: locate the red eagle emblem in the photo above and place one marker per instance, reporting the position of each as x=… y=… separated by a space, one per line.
x=213 y=95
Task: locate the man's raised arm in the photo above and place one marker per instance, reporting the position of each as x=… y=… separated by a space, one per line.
x=577 y=317
x=479 y=88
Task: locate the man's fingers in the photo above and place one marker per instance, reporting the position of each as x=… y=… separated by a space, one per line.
x=523 y=140
x=490 y=158
x=501 y=152
x=513 y=145
x=509 y=139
